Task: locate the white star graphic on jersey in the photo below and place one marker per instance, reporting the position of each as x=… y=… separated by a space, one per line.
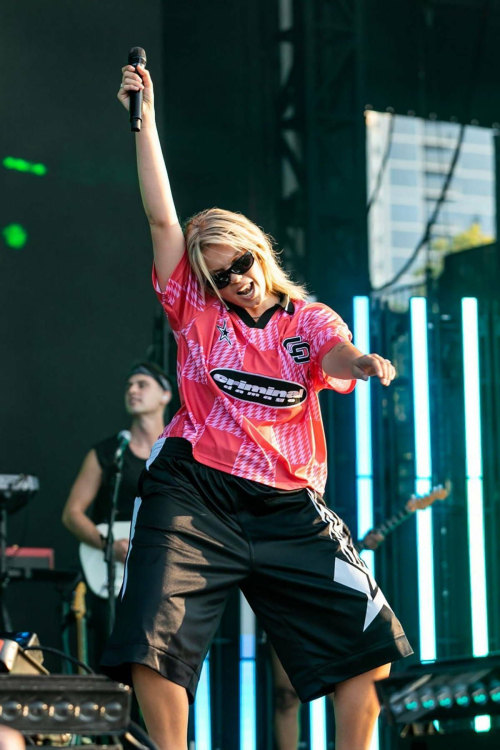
x=224 y=333
x=360 y=580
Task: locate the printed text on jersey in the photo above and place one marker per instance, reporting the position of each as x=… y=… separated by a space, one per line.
x=259 y=389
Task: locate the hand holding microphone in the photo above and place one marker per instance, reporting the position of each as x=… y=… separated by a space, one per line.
x=136 y=89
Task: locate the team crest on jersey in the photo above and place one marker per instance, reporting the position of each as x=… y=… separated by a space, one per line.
x=224 y=333
x=259 y=389
x=299 y=350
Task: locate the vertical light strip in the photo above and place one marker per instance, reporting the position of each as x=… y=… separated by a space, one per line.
x=474 y=473
x=202 y=712
x=364 y=456
x=248 y=707
x=317 y=721
x=364 y=460
x=423 y=472
x=474 y=482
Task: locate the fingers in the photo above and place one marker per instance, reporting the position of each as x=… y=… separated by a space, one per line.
x=388 y=373
x=146 y=78
x=381 y=368
x=131 y=81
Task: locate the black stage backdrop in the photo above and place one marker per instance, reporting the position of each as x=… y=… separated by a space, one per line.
x=75 y=301
x=76 y=305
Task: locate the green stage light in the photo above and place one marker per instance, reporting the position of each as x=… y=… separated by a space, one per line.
x=21 y=165
x=15 y=236
x=463 y=700
x=39 y=169
x=411 y=706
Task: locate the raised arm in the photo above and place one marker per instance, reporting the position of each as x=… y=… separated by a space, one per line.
x=168 y=239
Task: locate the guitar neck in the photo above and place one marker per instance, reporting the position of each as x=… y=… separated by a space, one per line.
x=388 y=525
x=80 y=615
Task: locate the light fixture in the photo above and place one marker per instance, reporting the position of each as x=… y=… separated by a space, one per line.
x=474 y=483
x=202 y=710
x=76 y=704
x=248 y=708
x=423 y=472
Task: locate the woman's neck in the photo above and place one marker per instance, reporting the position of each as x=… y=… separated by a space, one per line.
x=270 y=301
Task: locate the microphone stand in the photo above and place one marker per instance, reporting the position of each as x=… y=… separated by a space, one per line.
x=108 y=553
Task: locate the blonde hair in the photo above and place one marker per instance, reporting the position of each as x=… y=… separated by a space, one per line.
x=215 y=226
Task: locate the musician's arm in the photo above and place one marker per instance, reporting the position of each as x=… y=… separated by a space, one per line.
x=81 y=496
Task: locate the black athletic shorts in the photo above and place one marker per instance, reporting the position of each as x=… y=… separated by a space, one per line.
x=197 y=532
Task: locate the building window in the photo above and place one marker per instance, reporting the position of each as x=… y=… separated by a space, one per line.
x=406 y=151
x=405 y=239
x=405 y=213
x=405 y=177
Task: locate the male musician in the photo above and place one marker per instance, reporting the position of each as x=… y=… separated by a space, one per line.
x=147 y=393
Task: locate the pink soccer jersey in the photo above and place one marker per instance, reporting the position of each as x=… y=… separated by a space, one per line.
x=249 y=390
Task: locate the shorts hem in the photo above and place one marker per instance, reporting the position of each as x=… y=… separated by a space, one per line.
x=322 y=681
x=116 y=663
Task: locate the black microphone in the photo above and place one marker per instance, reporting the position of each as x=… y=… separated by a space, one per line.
x=124 y=438
x=136 y=57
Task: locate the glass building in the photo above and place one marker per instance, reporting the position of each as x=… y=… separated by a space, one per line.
x=420 y=155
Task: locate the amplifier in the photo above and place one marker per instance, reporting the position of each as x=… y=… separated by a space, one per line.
x=30 y=558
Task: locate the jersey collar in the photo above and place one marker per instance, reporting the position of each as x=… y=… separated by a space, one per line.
x=285 y=303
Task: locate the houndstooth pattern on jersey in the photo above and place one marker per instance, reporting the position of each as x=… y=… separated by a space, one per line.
x=281 y=447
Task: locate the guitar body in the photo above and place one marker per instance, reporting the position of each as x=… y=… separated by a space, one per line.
x=93 y=563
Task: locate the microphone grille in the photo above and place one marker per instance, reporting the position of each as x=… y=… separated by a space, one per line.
x=125 y=435
x=137 y=56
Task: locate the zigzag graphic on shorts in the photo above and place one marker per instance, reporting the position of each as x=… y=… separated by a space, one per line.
x=336 y=532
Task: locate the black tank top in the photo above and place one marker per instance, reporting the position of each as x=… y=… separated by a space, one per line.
x=132 y=468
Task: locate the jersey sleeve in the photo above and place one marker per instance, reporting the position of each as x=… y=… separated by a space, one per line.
x=183 y=298
x=324 y=329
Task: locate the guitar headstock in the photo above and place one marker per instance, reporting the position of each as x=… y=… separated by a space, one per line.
x=424 y=501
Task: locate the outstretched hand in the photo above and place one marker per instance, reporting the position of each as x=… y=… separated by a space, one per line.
x=136 y=81
x=373 y=365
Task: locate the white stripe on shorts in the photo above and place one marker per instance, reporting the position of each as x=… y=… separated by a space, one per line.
x=336 y=530
x=155 y=451
x=137 y=505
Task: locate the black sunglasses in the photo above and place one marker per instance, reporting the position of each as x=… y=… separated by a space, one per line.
x=241 y=265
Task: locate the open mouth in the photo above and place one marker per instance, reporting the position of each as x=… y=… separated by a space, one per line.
x=246 y=291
